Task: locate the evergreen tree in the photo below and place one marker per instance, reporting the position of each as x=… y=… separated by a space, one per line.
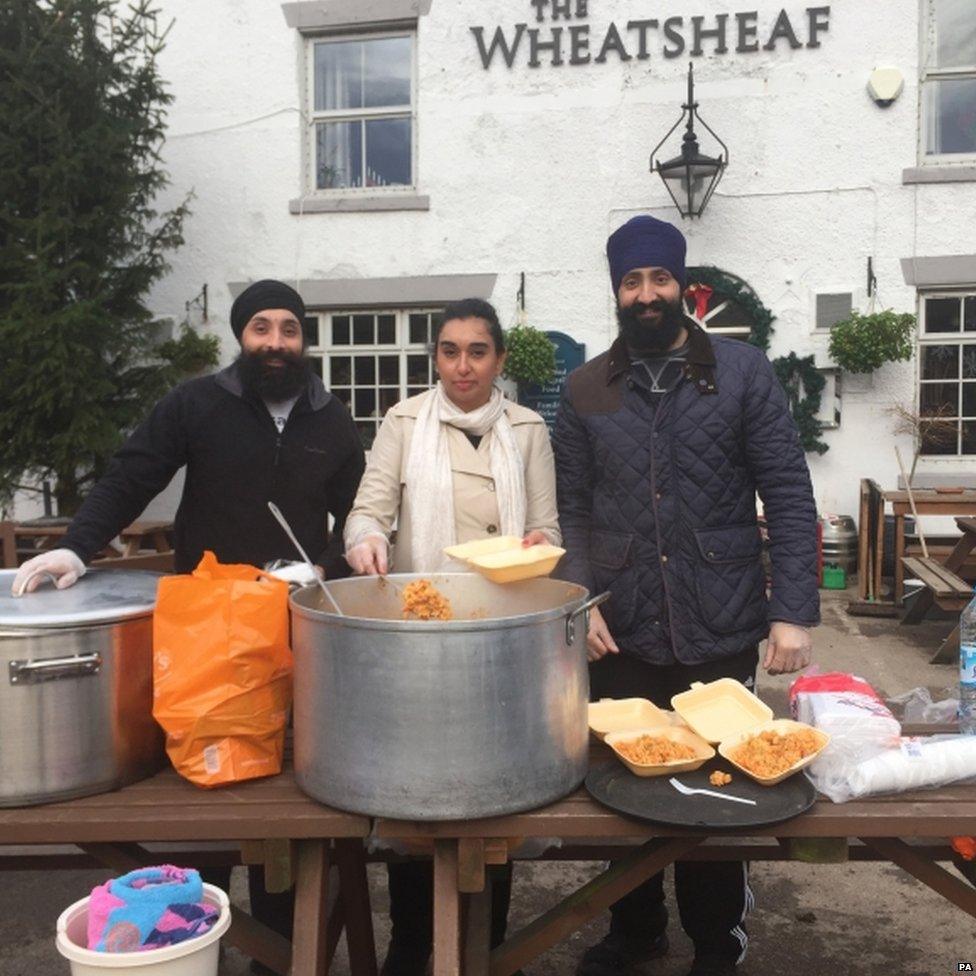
x=82 y=122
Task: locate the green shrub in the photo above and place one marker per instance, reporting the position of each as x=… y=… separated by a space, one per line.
x=862 y=343
x=531 y=356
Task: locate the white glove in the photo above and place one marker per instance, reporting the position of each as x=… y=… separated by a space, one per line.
x=63 y=564
x=370 y=556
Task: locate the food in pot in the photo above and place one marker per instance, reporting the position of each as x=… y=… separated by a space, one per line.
x=654 y=750
x=421 y=599
x=718 y=778
x=770 y=753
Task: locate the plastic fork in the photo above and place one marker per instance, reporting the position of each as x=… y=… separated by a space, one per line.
x=688 y=791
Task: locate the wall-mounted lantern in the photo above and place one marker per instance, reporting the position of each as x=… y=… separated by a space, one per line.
x=690 y=178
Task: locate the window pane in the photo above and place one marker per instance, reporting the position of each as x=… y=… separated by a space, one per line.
x=338 y=75
x=417 y=373
x=388 y=151
x=950 y=115
x=340 y=370
x=955 y=34
x=388 y=398
x=941 y=314
x=310 y=328
x=338 y=155
x=315 y=362
x=969 y=313
x=340 y=330
x=386 y=329
x=414 y=390
x=940 y=439
x=939 y=399
x=365 y=370
x=387 y=72
x=363 y=330
x=968 y=438
x=969 y=362
x=365 y=403
x=969 y=399
x=344 y=394
x=419 y=329
x=940 y=362
x=390 y=370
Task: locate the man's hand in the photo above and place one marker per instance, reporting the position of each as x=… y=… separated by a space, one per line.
x=63 y=564
x=535 y=538
x=598 y=639
x=788 y=649
x=369 y=557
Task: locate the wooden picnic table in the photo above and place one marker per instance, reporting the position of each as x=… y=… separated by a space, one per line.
x=31 y=538
x=944 y=585
x=111 y=827
x=909 y=830
x=928 y=501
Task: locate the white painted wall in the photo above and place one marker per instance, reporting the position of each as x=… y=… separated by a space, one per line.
x=530 y=169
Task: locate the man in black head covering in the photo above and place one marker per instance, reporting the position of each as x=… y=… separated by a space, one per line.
x=263 y=429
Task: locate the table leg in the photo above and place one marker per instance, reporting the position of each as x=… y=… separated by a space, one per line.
x=447 y=909
x=899 y=593
x=309 y=943
x=356 y=911
x=477 y=931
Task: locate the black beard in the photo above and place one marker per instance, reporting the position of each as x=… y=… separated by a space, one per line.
x=645 y=338
x=275 y=383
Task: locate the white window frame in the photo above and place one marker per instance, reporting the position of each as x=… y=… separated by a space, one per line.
x=935 y=74
x=313 y=117
x=942 y=339
x=402 y=347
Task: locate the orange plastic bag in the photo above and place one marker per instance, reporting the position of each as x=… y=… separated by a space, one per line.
x=222 y=671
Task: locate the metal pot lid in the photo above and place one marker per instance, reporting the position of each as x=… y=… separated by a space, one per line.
x=100 y=596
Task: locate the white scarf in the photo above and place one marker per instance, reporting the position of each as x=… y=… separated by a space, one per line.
x=431 y=485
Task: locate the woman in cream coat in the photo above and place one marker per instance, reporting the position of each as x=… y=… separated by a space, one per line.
x=454 y=464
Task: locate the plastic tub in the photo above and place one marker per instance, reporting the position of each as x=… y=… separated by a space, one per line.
x=782 y=726
x=195 y=957
x=678 y=734
x=618 y=714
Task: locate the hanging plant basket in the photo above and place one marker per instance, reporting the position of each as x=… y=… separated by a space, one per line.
x=531 y=357
x=863 y=343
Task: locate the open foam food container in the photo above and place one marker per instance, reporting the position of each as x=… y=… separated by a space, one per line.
x=620 y=714
x=505 y=559
x=726 y=713
x=676 y=733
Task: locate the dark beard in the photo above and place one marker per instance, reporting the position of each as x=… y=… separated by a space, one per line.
x=275 y=383
x=644 y=338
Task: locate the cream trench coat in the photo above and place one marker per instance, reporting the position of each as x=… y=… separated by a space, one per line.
x=384 y=496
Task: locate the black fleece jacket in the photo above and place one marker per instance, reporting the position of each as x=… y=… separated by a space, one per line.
x=236 y=461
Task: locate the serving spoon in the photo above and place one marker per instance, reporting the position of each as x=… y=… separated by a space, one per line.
x=282 y=521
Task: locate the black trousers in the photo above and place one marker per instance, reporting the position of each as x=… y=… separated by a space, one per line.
x=412 y=910
x=713 y=896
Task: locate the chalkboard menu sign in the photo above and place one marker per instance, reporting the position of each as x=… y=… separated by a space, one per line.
x=544 y=400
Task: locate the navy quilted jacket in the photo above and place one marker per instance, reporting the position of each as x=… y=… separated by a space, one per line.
x=658 y=503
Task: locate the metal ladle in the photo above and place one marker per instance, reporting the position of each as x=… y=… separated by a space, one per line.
x=282 y=521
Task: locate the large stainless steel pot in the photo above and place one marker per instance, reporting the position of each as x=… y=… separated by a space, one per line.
x=481 y=715
x=76 y=687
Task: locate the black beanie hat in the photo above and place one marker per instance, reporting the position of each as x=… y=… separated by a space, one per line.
x=261 y=295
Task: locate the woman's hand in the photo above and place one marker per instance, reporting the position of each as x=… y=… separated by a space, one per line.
x=535 y=538
x=369 y=557
x=598 y=640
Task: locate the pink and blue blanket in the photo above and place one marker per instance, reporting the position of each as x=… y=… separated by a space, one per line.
x=148 y=909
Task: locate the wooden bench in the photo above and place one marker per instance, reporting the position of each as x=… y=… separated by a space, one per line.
x=943 y=586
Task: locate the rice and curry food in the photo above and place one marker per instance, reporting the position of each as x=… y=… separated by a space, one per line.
x=654 y=750
x=421 y=599
x=769 y=753
x=718 y=778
